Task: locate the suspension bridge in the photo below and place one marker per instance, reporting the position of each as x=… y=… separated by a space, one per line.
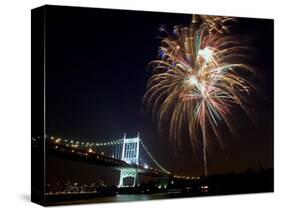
x=128 y=155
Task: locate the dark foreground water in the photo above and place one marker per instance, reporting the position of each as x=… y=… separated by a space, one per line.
x=129 y=197
x=119 y=198
x=136 y=197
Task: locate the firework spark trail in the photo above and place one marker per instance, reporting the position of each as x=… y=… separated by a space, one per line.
x=198 y=79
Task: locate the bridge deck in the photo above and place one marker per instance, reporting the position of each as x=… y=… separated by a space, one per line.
x=94 y=158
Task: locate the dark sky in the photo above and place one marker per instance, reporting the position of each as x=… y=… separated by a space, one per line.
x=96 y=77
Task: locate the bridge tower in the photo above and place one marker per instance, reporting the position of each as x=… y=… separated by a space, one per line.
x=130 y=154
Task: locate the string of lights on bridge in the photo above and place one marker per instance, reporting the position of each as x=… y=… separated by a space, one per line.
x=152 y=158
x=78 y=143
x=88 y=144
x=106 y=143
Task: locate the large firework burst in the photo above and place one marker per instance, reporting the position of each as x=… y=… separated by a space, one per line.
x=199 y=77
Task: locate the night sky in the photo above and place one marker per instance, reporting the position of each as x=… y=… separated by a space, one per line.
x=96 y=62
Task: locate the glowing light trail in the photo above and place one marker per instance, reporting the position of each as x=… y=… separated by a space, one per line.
x=199 y=77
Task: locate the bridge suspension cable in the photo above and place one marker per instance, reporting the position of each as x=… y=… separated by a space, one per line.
x=152 y=158
x=90 y=143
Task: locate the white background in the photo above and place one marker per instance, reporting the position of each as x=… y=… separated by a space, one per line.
x=15 y=104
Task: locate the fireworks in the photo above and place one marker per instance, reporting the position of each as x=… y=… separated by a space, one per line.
x=198 y=79
x=217 y=24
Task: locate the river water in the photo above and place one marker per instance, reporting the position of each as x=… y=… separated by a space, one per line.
x=130 y=197
x=123 y=198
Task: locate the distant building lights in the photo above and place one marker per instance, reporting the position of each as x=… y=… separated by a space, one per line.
x=58 y=140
